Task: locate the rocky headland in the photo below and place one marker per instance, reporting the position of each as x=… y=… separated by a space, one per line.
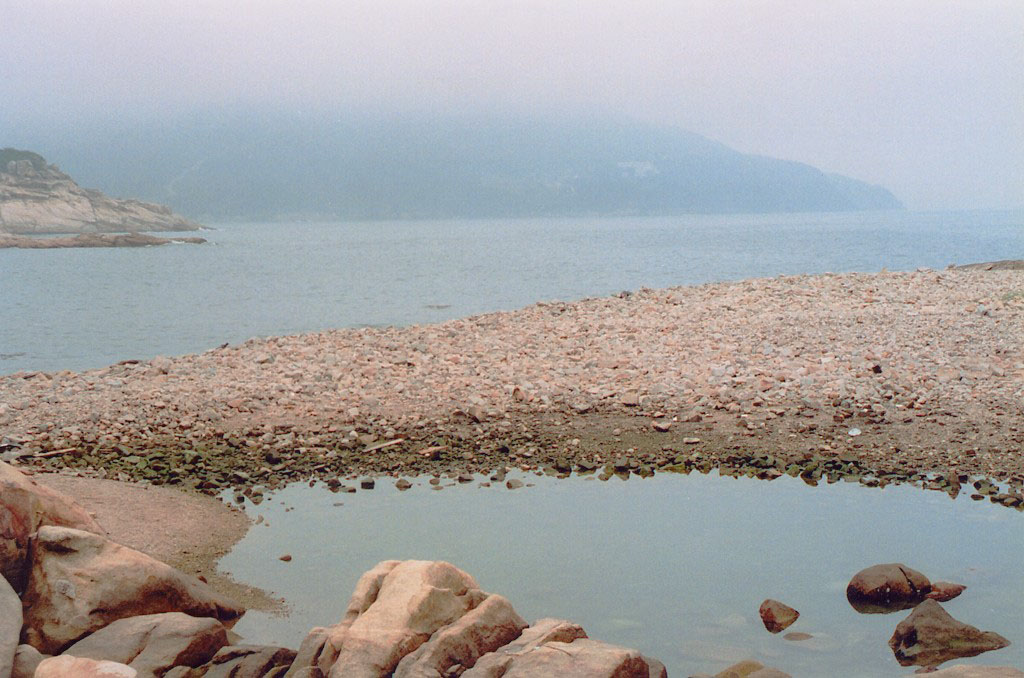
x=878 y=378
x=36 y=197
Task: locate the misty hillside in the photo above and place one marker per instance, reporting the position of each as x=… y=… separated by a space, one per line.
x=270 y=167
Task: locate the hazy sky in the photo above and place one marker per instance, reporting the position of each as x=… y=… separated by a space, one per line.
x=923 y=96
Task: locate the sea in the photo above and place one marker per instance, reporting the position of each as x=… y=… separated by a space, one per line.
x=79 y=309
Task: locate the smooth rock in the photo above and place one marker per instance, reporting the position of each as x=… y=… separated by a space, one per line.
x=485 y=628
x=67 y=666
x=249 y=661
x=81 y=582
x=944 y=590
x=582 y=658
x=26 y=661
x=494 y=664
x=396 y=613
x=887 y=588
x=776 y=616
x=25 y=506
x=930 y=636
x=152 y=644
x=10 y=627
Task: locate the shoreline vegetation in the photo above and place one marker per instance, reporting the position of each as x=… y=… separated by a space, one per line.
x=877 y=378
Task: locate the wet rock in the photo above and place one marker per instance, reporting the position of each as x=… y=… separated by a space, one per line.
x=26 y=660
x=249 y=661
x=513 y=483
x=10 y=627
x=797 y=636
x=81 y=582
x=152 y=644
x=776 y=616
x=750 y=669
x=887 y=588
x=25 y=506
x=403 y=484
x=367 y=483
x=944 y=590
x=66 y=666
x=930 y=636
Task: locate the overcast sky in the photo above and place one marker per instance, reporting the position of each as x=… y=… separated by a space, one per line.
x=923 y=96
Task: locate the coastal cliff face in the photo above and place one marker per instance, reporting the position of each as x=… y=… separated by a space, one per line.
x=36 y=197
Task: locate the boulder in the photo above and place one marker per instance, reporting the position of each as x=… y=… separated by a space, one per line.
x=25 y=506
x=66 y=666
x=887 y=588
x=249 y=661
x=973 y=671
x=80 y=582
x=26 y=661
x=944 y=590
x=582 y=658
x=930 y=636
x=777 y=617
x=485 y=628
x=10 y=627
x=542 y=631
x=154 y=643
x=392 y=615
x=419 y=619
x=307 y=659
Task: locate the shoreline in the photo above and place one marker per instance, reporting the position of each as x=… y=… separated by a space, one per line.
x=884 y=376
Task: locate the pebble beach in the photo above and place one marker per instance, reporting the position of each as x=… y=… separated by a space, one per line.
x=893 y=374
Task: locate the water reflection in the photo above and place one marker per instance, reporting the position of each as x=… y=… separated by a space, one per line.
x=675 y=566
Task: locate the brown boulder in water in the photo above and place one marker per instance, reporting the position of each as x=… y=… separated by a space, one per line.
x=930 y=636
x=777 y=617
x=887 y=588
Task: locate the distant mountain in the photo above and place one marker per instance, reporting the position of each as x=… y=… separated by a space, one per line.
x=294 y=166
x=36 y=197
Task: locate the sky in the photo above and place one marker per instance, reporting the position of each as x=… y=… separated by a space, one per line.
x=925 y=97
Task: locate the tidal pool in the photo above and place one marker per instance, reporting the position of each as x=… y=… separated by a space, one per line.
x=675 y=566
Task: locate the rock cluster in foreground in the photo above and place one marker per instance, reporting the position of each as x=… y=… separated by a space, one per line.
x=75 y=604
x=36 y=197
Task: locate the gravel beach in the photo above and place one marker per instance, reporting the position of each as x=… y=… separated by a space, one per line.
x=884 y=376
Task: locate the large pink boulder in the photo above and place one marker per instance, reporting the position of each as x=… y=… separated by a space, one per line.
x=419 y=619
x=76 y=667
x=414 y=599
x=81 y=582
x=25 y=506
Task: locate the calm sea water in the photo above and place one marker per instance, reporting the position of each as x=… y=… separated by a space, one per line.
x=675 y=566
x=85 y=308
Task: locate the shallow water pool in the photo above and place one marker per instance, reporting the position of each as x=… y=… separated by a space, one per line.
x=675 y=566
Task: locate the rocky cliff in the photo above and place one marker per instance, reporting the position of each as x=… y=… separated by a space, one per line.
x=36 y=197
